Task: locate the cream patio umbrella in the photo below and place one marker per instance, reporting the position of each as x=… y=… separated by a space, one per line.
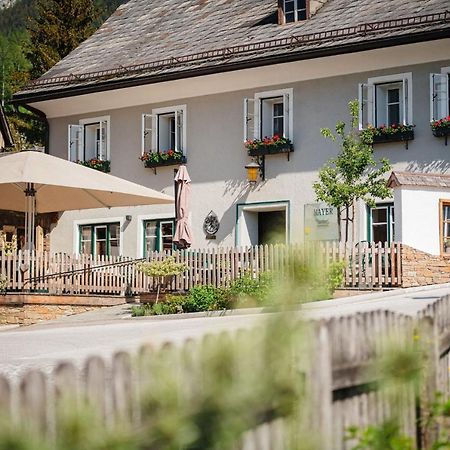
x=34 y=182
x=183 y=232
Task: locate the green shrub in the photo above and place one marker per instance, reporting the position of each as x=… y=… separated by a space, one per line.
x=172 y=305
x=323 y=283
x=141 y=310
x=335 y=275
x=250 y=291
x=206 y=298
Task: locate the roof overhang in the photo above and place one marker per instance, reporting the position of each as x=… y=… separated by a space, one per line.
x=74 y=89
x=418 y=180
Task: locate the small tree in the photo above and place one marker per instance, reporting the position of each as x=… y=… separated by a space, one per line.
x=353 y=175
x=163 y=271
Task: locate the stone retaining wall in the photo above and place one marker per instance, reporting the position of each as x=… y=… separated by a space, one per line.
x=30 y=314
x=27 y=309
x=422 y=269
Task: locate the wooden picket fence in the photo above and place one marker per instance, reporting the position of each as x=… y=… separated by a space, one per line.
x=342 y=391
x=368 y=266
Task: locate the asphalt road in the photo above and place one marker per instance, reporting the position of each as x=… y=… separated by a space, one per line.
x=104 y=332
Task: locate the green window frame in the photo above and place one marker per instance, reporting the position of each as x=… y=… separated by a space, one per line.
x=89 y=239
x=159 y=235
x=382 y=215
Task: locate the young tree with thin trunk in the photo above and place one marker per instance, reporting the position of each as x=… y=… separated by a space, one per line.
x=353 y=175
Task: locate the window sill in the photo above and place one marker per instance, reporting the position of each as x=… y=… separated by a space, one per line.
x=170 y=161
x=271 y=150
x=96 y=164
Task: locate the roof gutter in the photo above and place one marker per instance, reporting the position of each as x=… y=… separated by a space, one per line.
x=102 y=86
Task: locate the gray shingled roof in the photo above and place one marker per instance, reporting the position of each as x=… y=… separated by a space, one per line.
x=142 y=32
x=418 y=179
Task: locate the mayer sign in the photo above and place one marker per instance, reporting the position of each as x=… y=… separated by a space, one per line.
x=321 y=222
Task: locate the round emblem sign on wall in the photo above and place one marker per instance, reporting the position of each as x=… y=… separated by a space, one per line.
x=211 y=224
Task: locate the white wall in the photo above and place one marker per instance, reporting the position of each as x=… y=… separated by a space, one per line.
x=216 y=155
x=417 y=217
x=249 y=228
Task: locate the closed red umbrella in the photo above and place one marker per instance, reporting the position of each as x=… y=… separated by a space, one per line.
x=183 y=232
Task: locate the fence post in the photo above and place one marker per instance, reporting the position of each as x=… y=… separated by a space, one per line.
x=321 y=389
x=428 y=335
x=33 y=400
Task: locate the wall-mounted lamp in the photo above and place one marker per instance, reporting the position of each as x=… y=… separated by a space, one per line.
x=255 y=168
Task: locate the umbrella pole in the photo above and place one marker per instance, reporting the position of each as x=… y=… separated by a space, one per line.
x=30 y=215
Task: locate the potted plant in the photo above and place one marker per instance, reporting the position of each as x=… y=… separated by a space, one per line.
x=158 y=159
x=268 y=146
x=441 y=127
x=162 y=273
x=97 y=164
x=388 y=133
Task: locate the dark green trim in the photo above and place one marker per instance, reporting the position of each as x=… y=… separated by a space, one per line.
x=275 y=202
x=390 y=207
x=93 y=240
x=158 y=233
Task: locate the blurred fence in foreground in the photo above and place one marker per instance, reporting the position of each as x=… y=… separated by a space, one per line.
x=340 y=389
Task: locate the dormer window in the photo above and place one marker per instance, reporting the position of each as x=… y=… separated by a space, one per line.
x=294 y=10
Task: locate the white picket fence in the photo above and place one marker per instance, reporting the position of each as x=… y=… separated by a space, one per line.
x=368 y=266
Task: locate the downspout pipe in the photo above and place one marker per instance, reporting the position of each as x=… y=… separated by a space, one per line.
x=41 y=116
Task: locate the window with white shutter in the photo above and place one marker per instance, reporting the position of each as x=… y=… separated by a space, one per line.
x=386 y=101
x=269 y=114
x=439 y=95
x=148 y=133
x=75 y=143
x=89 y=139
x=164 y=130
x=249 y=119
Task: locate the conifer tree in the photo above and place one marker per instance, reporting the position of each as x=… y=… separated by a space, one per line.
x=58 y=28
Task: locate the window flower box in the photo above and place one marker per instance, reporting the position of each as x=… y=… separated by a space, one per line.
x=269 y=146
x=441 y=128
x=384 y=134
x=157 y=159
x=97 y=164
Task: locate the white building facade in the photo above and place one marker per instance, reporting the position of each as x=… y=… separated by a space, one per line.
x=206 y=117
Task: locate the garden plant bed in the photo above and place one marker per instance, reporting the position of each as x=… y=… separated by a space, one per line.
x=245 y=292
